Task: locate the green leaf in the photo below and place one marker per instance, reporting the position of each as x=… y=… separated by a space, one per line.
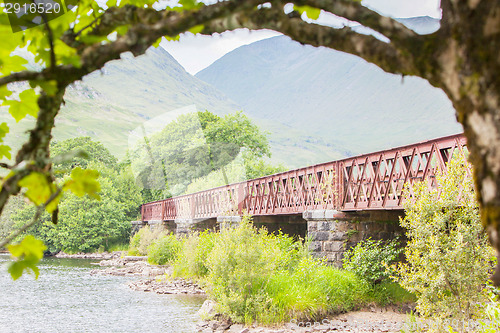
x=311 y=12
x=66 y=54
x=50 y=87
x=157 y=43
x=27 y=253
x=5 y=151
x=89 y=39
x=4 y=92
x=175 y=38
x=84 y=182
x=4 y=129
x=111 y=3
x=197 y=29
x=39 y=190
x=123 y=29
x=27 y=105
x=189 y=4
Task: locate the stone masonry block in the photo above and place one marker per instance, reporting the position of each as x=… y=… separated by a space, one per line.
x=344 y=226
x=337 y=236
x=335 y=246
x=325 y=226
x=315 y=246
x=331 y=213
x=312 y=226
x=320 y=236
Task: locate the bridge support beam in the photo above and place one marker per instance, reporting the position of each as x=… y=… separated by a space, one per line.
x=332 y=232
x=226 y=222
x=184 y=227
x=136 y=226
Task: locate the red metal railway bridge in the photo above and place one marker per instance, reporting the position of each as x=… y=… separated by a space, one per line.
x=366 y=182
x=335 y=204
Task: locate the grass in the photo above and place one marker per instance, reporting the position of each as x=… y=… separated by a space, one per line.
x=257 y=277
x=118 y=247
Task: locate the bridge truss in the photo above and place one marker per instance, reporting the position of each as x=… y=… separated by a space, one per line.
x=366 y=182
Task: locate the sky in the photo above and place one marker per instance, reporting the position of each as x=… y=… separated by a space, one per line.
x=195 y=53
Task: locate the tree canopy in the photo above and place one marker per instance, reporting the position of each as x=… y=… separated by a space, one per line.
x=85 y=225
x=461 y=58
x=196 y=144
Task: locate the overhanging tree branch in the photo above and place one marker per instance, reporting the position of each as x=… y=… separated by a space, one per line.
x=354 y=11
x=385 y=55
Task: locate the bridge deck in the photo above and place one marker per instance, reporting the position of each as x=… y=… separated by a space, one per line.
x=370 y=181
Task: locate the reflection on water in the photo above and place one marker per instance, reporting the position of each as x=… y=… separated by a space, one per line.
x=66 y=298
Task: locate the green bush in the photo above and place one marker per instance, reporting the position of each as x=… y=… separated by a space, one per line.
x=164 y=250
x=369 y=259
x=449 y=259
x=143 y=239
x=192 y=259
x=255 y=276
x=239 y=266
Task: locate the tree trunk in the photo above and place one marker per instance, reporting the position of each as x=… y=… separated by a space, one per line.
x=468 y=73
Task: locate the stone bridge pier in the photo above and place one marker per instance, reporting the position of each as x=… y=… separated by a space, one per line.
x=331 y=232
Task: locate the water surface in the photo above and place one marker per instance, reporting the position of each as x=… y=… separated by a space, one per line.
x=66 y=298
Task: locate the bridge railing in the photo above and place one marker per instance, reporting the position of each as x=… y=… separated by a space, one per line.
x=369 y=181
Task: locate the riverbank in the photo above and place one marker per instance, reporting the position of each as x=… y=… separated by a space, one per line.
x=156 y=279
x=364 y=321
x=96 y=256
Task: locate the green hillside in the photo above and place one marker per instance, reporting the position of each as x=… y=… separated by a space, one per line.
x=109 y=104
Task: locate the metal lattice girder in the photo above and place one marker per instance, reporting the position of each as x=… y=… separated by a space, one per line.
x=369 y=181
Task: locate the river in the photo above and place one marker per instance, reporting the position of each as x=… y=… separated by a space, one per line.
x=66 y=298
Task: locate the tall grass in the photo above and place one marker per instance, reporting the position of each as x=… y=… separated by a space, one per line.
x=255 y=276
x=142 y=239
x=164 y=250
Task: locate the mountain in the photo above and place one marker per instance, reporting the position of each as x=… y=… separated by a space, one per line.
x=316 y=103
x=336 y=103
x=108 y=104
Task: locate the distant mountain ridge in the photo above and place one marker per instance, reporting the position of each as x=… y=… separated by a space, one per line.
x=338 y=101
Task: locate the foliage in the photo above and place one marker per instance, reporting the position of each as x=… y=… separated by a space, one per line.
x=257 y=276
x=448 y=256
x=490 y=311
x=28 y=252
x=90 y=34
x=142 y=239
x=192 y=260
x=256 y=168
x=369 y=258
x=6 y=222
x=312 y=290
x=199 y=145
x=78 y=152
x=164 y=250
x=84 y=225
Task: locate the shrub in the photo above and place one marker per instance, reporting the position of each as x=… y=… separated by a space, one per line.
x=192 y=260
x=239 y=266
x=369 y=259
x=143 y=239
x=448 y=256
x=255 y=276
x=164 y=250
